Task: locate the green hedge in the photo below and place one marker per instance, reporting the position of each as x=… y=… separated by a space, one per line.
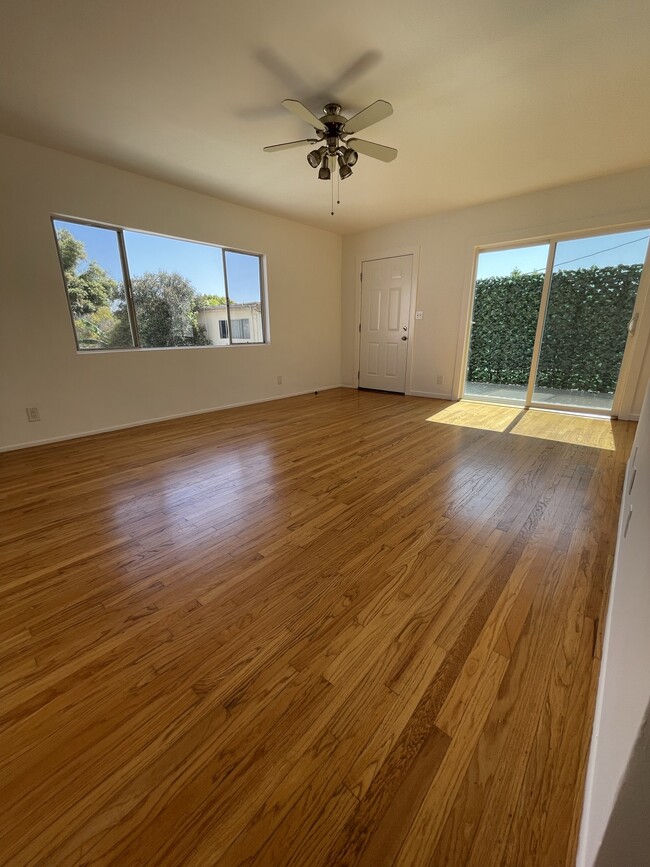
x=584 y=333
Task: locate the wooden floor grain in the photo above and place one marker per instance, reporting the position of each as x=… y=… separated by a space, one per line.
x=341 y=629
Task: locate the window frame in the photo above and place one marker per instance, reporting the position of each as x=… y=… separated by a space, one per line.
x=128 y=288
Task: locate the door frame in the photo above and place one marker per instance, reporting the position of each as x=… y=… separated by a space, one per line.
x=633 y=356
x=636 y=349
x=371 y=256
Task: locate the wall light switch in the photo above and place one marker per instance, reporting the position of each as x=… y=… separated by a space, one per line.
x=418 y=314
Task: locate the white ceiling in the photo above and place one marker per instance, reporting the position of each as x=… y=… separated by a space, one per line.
x=491 y=98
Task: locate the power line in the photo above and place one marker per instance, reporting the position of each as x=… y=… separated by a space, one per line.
x=590 y=255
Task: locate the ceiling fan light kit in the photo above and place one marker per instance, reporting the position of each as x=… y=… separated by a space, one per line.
x=344 y=170
x=314 y=157
x=350 y=157
x=333 y=132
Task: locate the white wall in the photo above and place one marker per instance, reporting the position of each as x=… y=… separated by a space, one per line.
x=627 y=839
x=446 y=245
x=79 y=393
x=617 y=786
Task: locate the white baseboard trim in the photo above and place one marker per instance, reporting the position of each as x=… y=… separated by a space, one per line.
x=433 y=394
x=430 y=394
x=90 y=433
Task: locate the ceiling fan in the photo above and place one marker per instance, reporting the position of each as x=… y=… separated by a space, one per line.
x=333 y=132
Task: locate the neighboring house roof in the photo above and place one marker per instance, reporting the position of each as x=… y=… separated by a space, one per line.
x=251 y=305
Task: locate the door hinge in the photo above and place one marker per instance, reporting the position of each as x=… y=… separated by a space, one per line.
x=359 y=328
x=358 y=374
x=361 y=276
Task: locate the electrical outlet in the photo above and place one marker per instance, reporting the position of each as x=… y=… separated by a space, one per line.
x=32 y=413
x=279 y=380
x=419 y=314
x=440 y=380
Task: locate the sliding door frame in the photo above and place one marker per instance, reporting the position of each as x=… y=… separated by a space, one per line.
x=541 y=321
x=633 y=356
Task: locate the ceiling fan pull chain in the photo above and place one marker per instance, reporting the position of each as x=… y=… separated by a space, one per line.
x=338 y=189
x=332 y=211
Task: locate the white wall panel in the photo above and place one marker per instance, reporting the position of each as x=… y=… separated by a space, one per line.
x=391 y=359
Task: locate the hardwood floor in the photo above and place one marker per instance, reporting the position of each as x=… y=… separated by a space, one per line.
x=350 y=628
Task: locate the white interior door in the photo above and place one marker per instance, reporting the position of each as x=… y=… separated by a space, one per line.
x=385 y=317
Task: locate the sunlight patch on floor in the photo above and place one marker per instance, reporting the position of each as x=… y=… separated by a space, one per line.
x=482 y=416
x=596 y=433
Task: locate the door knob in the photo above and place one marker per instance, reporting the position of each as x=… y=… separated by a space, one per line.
x=404 y=337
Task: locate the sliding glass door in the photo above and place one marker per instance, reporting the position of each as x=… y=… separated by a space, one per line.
x=504 y=323
x=591 y=298
x=550 y=322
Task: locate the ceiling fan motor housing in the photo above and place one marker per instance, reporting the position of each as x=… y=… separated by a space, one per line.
x=334 y=121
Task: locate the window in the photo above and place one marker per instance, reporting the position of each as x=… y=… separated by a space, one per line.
x=92 y=268
x=241 y=329
x=133 y=290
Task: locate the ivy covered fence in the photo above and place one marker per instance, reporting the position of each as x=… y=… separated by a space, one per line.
x=584 y=333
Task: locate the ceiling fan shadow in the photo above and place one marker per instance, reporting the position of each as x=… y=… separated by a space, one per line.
x=296 y=85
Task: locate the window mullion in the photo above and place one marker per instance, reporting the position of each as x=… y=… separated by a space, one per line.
x=263 y=301
x=225 y=284
x=128 y=289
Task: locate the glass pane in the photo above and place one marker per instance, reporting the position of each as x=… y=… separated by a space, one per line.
x=90 y=259
x=591 y=300
x=245 y=296
x=504 y=321
x=173 y=282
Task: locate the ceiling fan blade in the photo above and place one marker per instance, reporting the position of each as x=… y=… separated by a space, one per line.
x=373 y=113
x=303 y=113
x=371 y=149
x=290 y=144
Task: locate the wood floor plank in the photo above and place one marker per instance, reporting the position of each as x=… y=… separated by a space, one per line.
x=477 y=823
x=350 y=628
x=378 y=745
x=516 y=708
x=532 y=836
x=424 y=832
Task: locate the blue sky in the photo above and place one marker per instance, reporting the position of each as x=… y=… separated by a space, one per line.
x=201 y=264
x=629 y=248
